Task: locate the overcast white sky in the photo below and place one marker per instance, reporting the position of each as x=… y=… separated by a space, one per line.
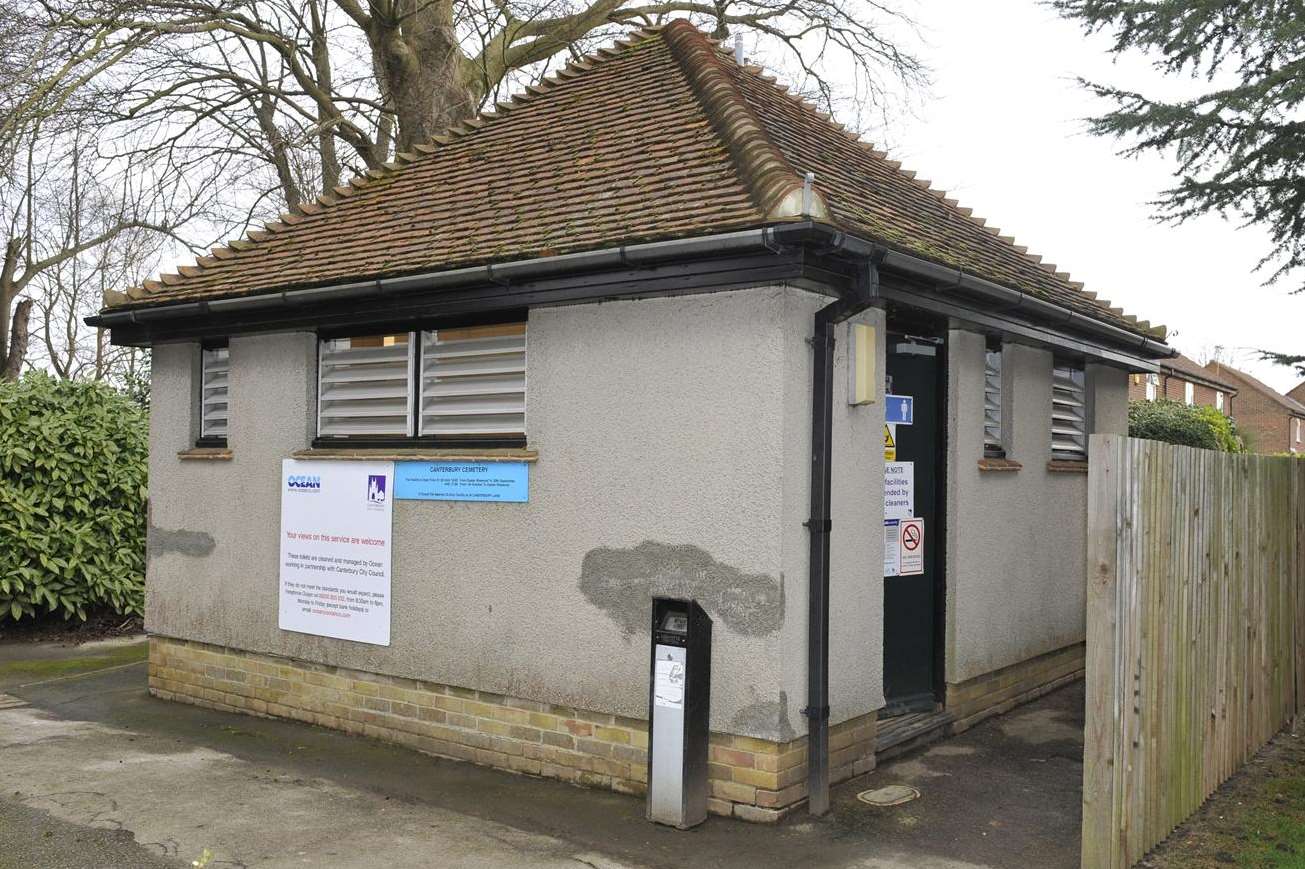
x=1002 y=132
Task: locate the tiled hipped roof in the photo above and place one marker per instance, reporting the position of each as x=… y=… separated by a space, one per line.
x=662 y=136
x=1227 y=372
x=1180 y=365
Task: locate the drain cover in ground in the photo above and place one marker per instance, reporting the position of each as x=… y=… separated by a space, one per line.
x=890 y=795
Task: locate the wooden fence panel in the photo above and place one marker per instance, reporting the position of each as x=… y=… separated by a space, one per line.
x=1195 y=631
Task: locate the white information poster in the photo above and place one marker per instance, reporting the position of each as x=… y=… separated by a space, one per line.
x=899 y=490
x=335 y=549
x=668 y=678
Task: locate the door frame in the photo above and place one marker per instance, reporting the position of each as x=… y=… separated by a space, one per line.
x=940 y=534
x=927 y=326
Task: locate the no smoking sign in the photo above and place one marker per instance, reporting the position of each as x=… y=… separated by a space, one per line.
x=911 y=553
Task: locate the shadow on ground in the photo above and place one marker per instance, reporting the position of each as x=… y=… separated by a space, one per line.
x=98 y=752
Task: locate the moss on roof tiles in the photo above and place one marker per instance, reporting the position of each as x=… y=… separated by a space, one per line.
x=661 y=136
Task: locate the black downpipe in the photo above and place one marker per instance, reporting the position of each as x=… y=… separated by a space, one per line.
x=818 y=528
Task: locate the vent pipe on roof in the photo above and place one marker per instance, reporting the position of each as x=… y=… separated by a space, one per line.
x=738 y=48
x=808 y=193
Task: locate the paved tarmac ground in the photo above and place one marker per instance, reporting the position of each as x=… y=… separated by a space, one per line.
x=96 y=773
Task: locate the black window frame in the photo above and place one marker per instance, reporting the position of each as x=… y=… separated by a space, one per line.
x=202 y=441
x=1080 y=366
x=994 y=344
x=408 y=442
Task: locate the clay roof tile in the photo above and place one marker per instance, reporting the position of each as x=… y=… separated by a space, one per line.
x=659 y=136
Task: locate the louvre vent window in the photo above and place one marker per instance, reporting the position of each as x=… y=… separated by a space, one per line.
x=473 y=381
x=1068 y=413
x=213 y=412
x=992 y=440
x=364 y=386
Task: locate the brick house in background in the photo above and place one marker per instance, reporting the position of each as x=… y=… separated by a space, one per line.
x=1272 y=422
x=1185 y=380
x=1297 y=394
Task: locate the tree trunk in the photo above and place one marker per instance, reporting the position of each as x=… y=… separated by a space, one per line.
x=18 y=335
x=421 y=69
x=8 y=291
x=278 y=151
x=322 y=66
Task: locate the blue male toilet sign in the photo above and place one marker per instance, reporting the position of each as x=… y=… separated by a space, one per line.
x=899 y=409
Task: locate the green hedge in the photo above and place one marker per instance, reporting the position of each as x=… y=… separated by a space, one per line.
x=1186 y=425
x=73 y=460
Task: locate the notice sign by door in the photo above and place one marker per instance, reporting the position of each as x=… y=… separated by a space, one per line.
x=910 y=559
x=899 y=490
x=903 y=547
x=336 y=518
x=892 y=543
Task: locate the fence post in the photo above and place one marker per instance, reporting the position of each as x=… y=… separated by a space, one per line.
x=1100 y=830
x=1296 y=574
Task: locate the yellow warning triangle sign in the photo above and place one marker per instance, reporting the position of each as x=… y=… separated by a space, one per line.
x=890 y=443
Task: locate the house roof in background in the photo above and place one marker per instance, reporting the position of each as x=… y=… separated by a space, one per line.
x=1291 y=405
x=1181 y=366
x=662 y=136
x=1297 y=392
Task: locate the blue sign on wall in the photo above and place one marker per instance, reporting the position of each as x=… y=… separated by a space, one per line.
x=462 y=481
x=899 y=409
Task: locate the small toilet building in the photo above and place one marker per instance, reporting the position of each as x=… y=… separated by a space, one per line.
x=423 y=452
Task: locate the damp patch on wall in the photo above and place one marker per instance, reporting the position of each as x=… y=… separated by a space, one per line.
x=161 y=541
x=768 y=717
x=620 y=582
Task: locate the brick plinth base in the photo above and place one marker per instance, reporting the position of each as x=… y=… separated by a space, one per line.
x=752 y=779
x=1002 y=690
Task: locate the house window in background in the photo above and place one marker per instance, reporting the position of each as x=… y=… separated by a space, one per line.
x=1152 y=386
x=1189 y=392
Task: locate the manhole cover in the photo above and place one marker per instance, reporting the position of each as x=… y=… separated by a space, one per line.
x=889 y=795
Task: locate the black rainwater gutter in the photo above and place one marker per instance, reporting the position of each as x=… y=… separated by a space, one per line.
x=502 y=277
x=864 y=293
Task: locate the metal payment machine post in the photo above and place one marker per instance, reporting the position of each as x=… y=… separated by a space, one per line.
x=679 y=701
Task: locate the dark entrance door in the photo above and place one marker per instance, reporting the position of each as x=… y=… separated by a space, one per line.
x=913 y=604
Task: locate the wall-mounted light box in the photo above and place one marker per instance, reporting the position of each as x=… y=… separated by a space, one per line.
x=861 y=364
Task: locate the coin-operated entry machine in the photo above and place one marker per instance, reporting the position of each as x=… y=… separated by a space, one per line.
x=679 y=705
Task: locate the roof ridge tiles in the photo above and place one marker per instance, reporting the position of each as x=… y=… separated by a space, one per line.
x=775 y=186
x=896 y=165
